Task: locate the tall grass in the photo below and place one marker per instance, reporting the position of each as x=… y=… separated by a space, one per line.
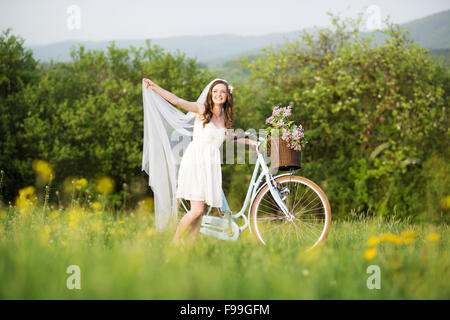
x=121 y=256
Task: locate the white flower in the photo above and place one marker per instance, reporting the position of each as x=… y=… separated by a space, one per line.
x=231 y=88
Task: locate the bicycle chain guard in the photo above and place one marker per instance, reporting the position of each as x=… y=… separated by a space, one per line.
x=221 y=228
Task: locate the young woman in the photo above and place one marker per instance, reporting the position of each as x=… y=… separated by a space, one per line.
x=200 y=175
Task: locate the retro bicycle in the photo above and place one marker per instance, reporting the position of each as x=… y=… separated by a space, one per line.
x=285 y=206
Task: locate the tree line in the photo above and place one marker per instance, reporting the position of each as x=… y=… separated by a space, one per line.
x=375 y=115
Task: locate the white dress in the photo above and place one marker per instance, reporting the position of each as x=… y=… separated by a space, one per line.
x=200 y=172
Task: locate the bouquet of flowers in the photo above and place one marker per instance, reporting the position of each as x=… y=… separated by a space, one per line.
x=289 y=132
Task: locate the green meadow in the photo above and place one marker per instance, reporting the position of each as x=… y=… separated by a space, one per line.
x=77 y=213
x=121 y=256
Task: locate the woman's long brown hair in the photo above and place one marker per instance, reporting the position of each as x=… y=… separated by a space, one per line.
x=227 y=106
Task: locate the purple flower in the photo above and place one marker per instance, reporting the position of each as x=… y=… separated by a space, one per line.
x=280 y=123
x=287 y=111
x=276 y=111
x=286 y=135
x=297 y=132
x=269 y=120
x=291 y=133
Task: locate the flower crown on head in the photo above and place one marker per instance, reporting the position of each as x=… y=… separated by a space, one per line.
x=230 y=87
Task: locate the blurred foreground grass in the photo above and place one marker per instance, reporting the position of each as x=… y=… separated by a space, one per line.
x=121 y=256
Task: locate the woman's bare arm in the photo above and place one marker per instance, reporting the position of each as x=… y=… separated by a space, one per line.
x=169 y=96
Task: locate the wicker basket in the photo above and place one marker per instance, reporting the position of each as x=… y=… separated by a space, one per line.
x=287 y=159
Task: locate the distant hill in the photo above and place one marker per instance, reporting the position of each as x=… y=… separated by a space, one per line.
x=443 y=54
x=430 y=32
x=211 y=50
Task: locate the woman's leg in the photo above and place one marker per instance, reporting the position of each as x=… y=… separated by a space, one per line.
x=191 y=219
x=195 y=229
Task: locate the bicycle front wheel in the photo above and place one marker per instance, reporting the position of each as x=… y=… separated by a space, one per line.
x=308 y=205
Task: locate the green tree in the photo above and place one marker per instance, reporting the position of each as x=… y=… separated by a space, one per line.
x=18 y=71
x=85 y=117
x=373 y=113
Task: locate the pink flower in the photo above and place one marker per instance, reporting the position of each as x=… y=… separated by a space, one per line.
x=287 y=111
x=269 y=120
x=286 y=135
x=276 y=111
x=291 y=133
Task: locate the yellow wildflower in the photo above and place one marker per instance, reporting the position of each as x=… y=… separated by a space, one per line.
x=409 y=234
x=386 y=237
x=81 y=183
x=149 y=232
x=121 y=221
x=74 y=216
x=432 y=237
x=27 y=200
x=397 y=240
x=96 y=206
x=105 y=185
x=445 y=203
x=54 y=214
x=146 y=205
x=408 y=240
x=121 y=231
x=370 y=253
x=373 y=241
x=44 y=169
x=27 y=191
x=389 y=237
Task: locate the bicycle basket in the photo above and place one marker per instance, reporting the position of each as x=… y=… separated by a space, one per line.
x=283 y=157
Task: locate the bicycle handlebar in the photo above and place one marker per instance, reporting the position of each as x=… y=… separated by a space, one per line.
x=259 y=140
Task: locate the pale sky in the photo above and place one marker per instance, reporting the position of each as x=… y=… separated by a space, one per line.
x=48 y=21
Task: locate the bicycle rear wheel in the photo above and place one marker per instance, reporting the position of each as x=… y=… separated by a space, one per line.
x=311 y=213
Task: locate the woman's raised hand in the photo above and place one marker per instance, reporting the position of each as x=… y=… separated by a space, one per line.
x=148 y=83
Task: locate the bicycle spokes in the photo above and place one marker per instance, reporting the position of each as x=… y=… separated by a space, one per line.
x=309 y=213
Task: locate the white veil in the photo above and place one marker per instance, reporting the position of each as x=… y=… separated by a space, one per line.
x=167 y=133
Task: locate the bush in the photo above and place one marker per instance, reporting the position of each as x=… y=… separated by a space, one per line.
x=85 y=117
x=373 y=113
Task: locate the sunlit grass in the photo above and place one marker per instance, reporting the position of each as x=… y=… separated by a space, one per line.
x=121 y=256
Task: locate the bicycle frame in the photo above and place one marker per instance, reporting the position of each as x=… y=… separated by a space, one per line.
x=262 y=180
x=254 y=188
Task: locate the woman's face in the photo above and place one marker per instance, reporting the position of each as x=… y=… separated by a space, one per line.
x=219 y=94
